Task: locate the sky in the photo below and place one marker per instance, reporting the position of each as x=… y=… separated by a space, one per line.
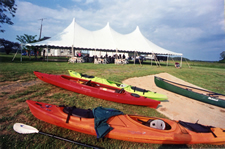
x=195 y=28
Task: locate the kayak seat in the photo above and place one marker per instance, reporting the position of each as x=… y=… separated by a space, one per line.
x=157 y=124
x=120 y=91
x=83 y=113
x=86 y=76
x=88 y=83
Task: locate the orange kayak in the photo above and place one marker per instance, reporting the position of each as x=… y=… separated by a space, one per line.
x=132 y=127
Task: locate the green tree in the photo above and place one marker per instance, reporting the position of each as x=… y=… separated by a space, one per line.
x=7 y=6
x=222 y=55
x=8 y=45
x=28 y=39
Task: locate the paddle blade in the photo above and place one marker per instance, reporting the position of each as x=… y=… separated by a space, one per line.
x=24 y=129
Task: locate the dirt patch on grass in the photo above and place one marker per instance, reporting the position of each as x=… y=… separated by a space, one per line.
x=10 y=86
x=179 y=107
x=13 y=110
x=10 y=105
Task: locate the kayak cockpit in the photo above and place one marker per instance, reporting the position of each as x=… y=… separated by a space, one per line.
x=134 y=88
x=151 y=122
x=82 y=113
x=87 y=76
x=94 y=84
x=87 y=113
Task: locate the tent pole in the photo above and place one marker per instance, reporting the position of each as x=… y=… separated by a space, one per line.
x=173 y=60
x=167 y=59
x=151 y=61
x=117 y=57
x=73 y=44
x=134 y=57
x=139 y=59
x=47 y=53
x=187 y=63
x=117 y=53
x=15 y=55
x=181 y=61
x=156 y=60
x=72 y=51
x=21 y=46
x=95 y=55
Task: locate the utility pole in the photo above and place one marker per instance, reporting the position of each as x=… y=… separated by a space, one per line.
x=41 y=27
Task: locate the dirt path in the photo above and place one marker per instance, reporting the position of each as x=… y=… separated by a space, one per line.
x=179 y=107
x=10 y=88
x=14 y=86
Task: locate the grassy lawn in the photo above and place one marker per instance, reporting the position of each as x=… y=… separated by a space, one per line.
x=14 y=109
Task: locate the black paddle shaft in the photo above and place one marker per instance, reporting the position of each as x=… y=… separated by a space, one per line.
x=64 y=139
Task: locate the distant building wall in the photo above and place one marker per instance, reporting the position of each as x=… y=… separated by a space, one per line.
x=68 y=52
x=56 y=52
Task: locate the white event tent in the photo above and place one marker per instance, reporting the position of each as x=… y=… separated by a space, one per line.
x=105 y=39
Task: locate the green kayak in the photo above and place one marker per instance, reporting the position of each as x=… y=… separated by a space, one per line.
x=192 y=92
x=128 y=88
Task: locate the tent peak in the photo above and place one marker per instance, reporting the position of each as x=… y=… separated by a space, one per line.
x=137 y=28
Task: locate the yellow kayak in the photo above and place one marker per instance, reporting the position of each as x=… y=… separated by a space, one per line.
x=128 y=88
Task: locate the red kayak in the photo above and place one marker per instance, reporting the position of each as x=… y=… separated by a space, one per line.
x=95 y=89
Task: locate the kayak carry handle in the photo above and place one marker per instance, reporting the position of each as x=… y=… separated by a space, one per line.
x=38 y=104
x=135 y=95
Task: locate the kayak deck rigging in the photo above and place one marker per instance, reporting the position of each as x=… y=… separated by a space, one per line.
x=94 y=84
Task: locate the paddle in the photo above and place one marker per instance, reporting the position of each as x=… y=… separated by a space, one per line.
x=26 y=129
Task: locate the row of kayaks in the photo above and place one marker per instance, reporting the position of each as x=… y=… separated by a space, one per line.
x=97 y=89
x=126 y=87
x=123 y=93
x=121 y=126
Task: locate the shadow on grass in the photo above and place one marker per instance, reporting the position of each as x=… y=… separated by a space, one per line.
x=4 y=58
x=168 y=146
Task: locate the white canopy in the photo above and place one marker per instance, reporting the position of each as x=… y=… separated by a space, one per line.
x=105 y=39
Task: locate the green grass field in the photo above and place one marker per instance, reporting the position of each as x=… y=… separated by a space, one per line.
x=14 y=109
